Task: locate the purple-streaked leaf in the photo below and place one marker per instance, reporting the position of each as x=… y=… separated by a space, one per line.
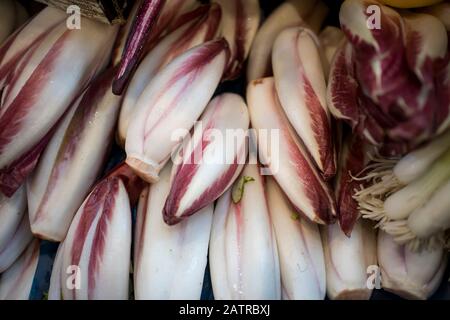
x=143 y=23
x=123 y=33
x=302 y=90
x=76 y=153
x=133 y=184
x=200 y=26
x=209 y=162
x=353 y=159
x=282 y=152
x=13 y=49
x=98 y=245
x=30 y=110
x=170 y=105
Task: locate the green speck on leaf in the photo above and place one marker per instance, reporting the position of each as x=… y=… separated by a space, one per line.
x=238 y=188
x=295 y=216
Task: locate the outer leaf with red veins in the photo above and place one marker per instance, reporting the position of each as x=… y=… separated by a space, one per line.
x=98 y=244
x=76 y=153
x=282 y=152
x=353 y=159
x=30 y=110
x=302 y=90
x=13 y=49
x=170 y=105
x=201 y=26
x=342 y=90
x=133 y=184
x=209 y=162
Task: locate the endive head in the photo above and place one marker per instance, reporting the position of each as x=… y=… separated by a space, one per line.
x=210 y=160
x=164 y=117
x=412 y=275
